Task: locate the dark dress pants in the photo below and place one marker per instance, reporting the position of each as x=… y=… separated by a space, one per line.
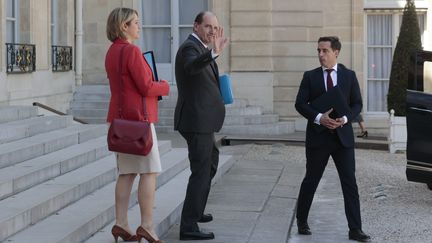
x=204 y=159
x=316 y=161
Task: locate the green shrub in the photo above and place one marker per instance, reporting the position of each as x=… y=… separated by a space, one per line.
x=408 y=42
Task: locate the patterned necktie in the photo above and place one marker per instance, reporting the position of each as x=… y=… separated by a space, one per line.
x=329 y=79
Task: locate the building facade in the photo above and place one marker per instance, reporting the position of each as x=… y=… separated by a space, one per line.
x=272 y=43
x=37 y=46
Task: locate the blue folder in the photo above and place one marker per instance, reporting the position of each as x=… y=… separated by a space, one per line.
x=149 y=57
x=225 y=88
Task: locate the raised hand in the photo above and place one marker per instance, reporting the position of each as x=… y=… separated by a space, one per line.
x=219 y=41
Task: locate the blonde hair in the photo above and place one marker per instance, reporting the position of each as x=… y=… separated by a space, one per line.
x=116 y=19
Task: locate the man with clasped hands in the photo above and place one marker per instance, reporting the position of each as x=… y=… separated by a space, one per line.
x=327 y=136
x=199 y=113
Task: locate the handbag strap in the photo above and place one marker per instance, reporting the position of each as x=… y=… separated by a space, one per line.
x=122 y=89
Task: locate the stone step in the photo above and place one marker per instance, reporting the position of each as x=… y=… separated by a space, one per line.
x=167 y=112
x=82 y=219
x=164 y=129
x=169 y=109
x=251 y=119
x=90 y=104
x=278 y=128
x=105 y=96
x=232 y=120
x=13 y=113
x=91 y=89
x=169 y=105
x=99 y=113
x=94 y=120
x=17 y=178
x=376 y=126
x=28 y=207
x=238 y=103
x=248 y=110
x=38 y=145
x=19 y=129
x=168 y=203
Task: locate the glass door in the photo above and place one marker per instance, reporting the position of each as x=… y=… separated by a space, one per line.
x=165 y=25
x=156 y=34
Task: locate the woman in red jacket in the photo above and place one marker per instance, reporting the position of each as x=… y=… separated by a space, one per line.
x=138 y=101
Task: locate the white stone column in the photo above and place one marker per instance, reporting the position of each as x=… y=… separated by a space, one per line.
x=78 y=41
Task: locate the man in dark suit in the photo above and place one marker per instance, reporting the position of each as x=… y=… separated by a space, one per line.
x=330 y=134
x=199 y=113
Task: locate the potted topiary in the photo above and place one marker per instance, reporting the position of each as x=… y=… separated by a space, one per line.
x=408 y=42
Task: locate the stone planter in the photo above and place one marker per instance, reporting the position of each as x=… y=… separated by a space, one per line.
x=398 y=133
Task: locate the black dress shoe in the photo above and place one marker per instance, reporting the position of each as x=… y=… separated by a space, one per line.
x=303 y=228
x=196 y=235
x=359 y=235
x=205 y=218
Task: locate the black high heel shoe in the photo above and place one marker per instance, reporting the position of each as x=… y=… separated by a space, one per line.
x=363 y=134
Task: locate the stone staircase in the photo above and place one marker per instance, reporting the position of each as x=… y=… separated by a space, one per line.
x=90 y=104
x=57 y=180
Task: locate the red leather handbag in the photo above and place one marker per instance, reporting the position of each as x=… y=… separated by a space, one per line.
x=128 y=136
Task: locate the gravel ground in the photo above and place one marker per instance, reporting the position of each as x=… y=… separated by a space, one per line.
x=393 y=209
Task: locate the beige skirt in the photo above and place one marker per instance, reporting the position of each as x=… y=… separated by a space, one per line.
x=132 y=164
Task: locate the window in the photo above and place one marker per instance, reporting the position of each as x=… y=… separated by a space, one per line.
x=54 y=22
x=156 y=24
x=12 y=21
x=188 y=10
x=381 y=38
x=165 y=25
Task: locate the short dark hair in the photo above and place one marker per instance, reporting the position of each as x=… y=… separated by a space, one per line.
x=334 y=42
x=200 y=17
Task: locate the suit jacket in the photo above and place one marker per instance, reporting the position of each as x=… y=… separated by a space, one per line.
x=138 y=82
x=311 y=87
x=200 y=106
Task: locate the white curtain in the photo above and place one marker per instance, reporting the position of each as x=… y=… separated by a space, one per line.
x=11 y=21
x=156 y=21
x=188 y=11
x=379 y=56
x=379 y=41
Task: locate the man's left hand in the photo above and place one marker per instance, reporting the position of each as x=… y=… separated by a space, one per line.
x=219 y=41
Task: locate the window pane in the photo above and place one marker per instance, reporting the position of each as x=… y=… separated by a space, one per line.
x=190 y=8
x=379 y=62
x=184 y=33
x=10 y=31
x=156 y=12
x=52 y=11
x=379 y=41
x=158 y=40
x=377 y=95
x=379 y=30
x=10 y=8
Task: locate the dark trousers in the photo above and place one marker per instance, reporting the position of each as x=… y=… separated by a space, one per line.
x=204 y=159
x=316 y=161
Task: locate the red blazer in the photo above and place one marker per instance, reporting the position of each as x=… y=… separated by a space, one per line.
x=138 y=82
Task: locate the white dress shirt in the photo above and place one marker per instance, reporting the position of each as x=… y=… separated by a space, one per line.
x=334 y=79
x=214 y=55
